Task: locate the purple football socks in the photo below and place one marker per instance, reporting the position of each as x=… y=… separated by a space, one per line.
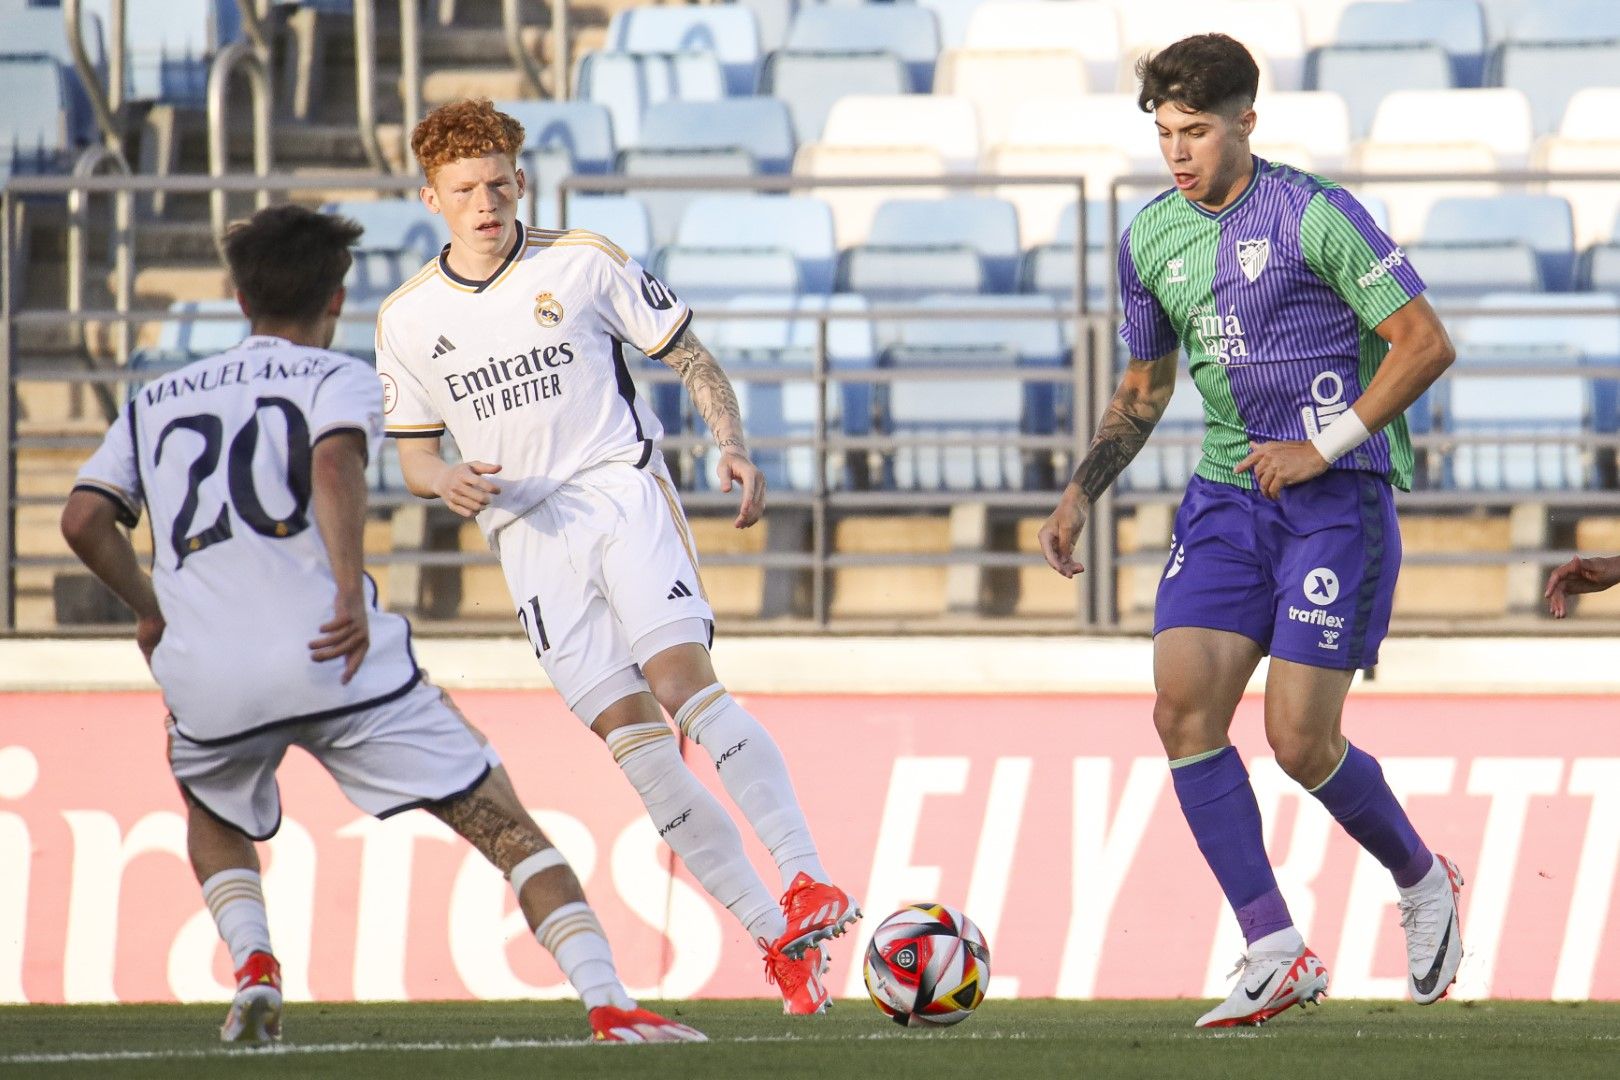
x=1220 y=808
x=1359 y=798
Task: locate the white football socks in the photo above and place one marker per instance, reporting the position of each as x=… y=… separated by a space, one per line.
x=235 y=899
x=755 y=775
x=572 y=935
x=695 y=825
x=1279 y=942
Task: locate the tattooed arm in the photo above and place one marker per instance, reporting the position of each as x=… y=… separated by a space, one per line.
x=716 y=402
x=1136 y=407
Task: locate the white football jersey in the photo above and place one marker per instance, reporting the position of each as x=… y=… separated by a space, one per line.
x=526 y=370
x=220 y=453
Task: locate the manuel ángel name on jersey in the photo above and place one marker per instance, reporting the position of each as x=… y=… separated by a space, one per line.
x=235 y=373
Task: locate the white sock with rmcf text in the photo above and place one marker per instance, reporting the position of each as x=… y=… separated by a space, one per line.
x=572 y=935
x=756 y=777
x=235 y=899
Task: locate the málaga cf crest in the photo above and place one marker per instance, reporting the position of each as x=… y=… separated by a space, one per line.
x=1252 y=256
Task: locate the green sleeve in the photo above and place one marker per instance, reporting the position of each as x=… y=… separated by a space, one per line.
x=1355 y=258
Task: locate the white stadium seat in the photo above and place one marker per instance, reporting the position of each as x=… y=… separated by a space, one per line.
x=949 y=126
x=1316 y=121
x=1088 y=27
x=853 y=207
x=1497 y=117
x=998 y=81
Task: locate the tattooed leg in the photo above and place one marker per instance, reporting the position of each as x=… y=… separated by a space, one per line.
x=493 y=821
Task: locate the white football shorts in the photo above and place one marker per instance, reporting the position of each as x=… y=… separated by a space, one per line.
x=603 y=565
x=397 y=756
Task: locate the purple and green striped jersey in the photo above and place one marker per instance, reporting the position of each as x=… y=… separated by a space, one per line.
x=1275 y=299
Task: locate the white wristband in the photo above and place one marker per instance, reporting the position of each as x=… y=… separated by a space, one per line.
x=1340 y=437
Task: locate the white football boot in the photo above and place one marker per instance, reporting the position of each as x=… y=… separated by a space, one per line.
x=1434 y=946
x=1268 y=985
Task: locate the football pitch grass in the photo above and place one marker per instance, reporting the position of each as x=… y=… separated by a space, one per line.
x=751 y=1039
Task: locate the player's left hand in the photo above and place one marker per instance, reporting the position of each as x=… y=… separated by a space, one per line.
x=735 y=468
x=346 y=635
x=1277 y=465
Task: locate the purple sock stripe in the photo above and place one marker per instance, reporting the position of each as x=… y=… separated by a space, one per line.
x=1221 y=810
x=1359 y=798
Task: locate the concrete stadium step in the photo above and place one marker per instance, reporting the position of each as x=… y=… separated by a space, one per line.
x=890 y=591
x=733 y=591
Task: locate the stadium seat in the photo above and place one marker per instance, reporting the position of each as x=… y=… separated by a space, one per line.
x=797 y=224
x=34 y=122
x=1271 y=29
x=977 y=406
x=946 y=125
x=1094 y=120
x=1556 y=337
x=1040 y=205
x=1458 y=272
x=809 y=83
x=1564 y=22
x=33 y=31
x=904 y=272
x=729 y=32
x=623 y=219
x=997 y=82
x=1457 y=26
x=1087 y=27
x=170 y=46
x=705 y=277
x=582 y=128
x=666 y=205
x=1407 y=203
x=1362 y=75
x=954 y=17
x=1541 y=223
x=761 y=126
x=1313 y=124
x=1497 y=118
x=853 y=207
x=1594 y=202
x=787 y=409
x=1551 y=74
x=985 y=226
x=1498 y=413
x=627 y=83
x=773 y=17
x=1052 y=269
x=401 y=236
x=911 y=33
x=1589 y=114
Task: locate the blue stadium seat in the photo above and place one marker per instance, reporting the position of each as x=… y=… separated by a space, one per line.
x=1541 y=222
x=1602 y=269
x=809 y=83
x=401 y=235
x=953 y=17
x=170 y=47
x=773 y=17
x=623 y=219
x=798 y=224
x=34 y=120
x=1494 y=408
x=706 y=277
x=761 y=126
x=666 y=206
x=729 y=32
x=910 y=33
x=902 y=272
x=627 y=83
x=1565 y=21
x=582 y=128
x=1363 y=75
x=1052 y=268
x=973 y=405
x=1552 y=73
x=36 y=30
x=986 y=226
x=1457 y=26
x=1462 y=272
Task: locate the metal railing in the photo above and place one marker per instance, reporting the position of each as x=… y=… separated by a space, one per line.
x=244 y=56
x=1089 y=378
x=107 y=103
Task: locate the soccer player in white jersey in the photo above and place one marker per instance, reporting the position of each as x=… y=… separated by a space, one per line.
x=263 y=630
x=512 y=341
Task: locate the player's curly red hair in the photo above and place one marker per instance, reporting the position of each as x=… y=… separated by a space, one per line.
x=464 y=129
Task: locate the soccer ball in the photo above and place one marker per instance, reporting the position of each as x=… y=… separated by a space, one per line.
x=927 y=966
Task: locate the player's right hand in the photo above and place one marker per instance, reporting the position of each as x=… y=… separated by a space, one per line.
x=1061 y=531
x=347 y=635
x=1579 y=576
x=464 y=489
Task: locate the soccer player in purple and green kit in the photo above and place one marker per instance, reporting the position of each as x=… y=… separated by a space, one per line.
x=1307 y=336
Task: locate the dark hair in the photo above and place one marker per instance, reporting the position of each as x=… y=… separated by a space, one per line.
x=1202 y=73
x=288 y=261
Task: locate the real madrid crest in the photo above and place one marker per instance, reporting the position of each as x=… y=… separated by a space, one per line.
x=548 y=311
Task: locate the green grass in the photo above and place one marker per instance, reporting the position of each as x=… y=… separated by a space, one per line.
x=1358 y=1040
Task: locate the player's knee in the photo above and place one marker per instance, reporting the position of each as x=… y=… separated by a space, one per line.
x=1185 y=727
x=1305 y=759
